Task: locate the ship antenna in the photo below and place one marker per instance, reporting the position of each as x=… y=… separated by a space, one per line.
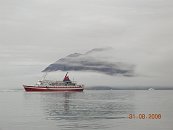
x=66 y=74
x=44 y=76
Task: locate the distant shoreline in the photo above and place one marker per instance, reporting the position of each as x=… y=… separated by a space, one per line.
x=127 y=88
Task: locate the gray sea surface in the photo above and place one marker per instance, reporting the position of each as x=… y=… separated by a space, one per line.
x=88 y=110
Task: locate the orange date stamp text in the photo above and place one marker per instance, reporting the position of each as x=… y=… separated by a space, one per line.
x=145 y=116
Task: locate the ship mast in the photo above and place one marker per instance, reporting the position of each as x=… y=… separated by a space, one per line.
x=66 y=74
x=44 y=76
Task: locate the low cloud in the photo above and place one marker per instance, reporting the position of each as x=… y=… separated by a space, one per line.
x=93 y=60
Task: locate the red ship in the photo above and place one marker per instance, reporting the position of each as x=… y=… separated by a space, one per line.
x=49 y=85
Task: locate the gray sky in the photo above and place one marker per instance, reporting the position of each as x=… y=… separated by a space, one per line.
x=35 y=33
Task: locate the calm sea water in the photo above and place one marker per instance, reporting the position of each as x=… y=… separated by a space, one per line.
x=88 y=110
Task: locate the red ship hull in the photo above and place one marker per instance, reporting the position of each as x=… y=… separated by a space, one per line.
x=50 y=89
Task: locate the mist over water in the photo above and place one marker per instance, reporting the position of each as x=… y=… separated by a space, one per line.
x=88 y=110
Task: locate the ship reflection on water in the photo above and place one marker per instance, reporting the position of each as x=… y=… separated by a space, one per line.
x=56 y=105
x=66 y=103
x=86 y=105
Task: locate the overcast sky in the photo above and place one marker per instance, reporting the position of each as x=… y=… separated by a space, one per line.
x=35 y=33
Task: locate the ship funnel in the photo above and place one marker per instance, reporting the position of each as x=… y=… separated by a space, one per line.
x=66 y=78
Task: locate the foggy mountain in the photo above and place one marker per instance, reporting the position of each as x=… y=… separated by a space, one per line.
x=93 y=60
